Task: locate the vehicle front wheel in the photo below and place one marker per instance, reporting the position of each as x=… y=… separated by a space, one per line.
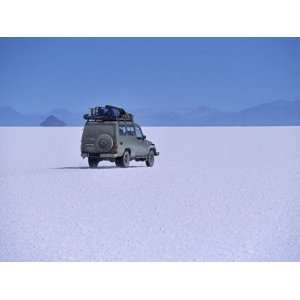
x=93 y=162
x=118 y=161
x=124 y=160
x=150 y=159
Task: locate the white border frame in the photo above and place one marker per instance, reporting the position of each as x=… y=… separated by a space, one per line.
x=149 y=18
x=149 y=281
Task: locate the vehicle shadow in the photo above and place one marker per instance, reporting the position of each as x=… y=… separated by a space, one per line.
x=98 y=168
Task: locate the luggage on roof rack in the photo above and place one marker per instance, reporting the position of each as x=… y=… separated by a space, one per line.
x=108 y=113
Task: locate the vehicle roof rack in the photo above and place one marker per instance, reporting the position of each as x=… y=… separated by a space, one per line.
x=108 y=113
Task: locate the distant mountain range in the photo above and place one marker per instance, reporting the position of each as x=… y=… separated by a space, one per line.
x=53 y=121
x=277 y=113
x=10 y=117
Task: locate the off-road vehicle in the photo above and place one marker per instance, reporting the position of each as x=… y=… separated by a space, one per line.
x=111 y=134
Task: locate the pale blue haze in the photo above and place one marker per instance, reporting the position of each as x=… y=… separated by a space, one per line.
x=229 y=74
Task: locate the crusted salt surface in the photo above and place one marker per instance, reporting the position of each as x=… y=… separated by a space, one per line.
x=214 y=194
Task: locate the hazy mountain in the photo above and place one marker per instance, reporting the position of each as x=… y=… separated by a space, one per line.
x=53 y=121
x=10 y=117
x=182 y=117
x=279 y=113
x=71 y=118
x=274 y=113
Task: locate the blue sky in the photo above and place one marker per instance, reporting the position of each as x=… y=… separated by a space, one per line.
x=40 y=74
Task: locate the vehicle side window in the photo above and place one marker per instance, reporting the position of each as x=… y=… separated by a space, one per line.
x=130 y=130
x=122 y=130
x=138 y=132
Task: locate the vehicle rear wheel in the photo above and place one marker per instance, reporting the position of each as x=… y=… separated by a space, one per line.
x=124 y=160
x=150 y=159
x=93 y=162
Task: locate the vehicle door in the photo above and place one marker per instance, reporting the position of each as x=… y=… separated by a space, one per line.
x=142 y=148
x=123 y=140
x=131 y=140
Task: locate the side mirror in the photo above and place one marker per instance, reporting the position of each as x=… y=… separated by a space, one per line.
x=141 y=138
